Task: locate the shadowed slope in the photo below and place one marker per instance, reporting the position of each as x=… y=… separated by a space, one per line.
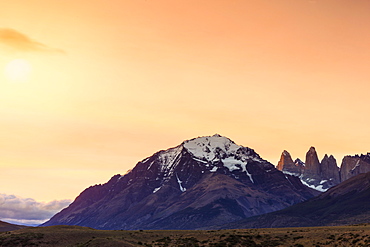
x=4 y=227
x=346 y=203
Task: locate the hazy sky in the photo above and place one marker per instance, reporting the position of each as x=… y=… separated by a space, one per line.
x=108 y=83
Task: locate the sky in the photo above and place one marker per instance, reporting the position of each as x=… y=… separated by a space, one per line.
x=89 y=88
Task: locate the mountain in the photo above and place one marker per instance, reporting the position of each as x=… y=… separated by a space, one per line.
x=346 y=203
x=325 y=174
x=203 y=182
x=354 y=165
x=313 y=173
x=288 y=166
x=5 y=227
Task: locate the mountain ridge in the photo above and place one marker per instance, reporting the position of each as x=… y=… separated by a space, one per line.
x=346 y=203
x=325 y=174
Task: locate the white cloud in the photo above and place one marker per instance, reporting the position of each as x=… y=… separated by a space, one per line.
x=18 y=210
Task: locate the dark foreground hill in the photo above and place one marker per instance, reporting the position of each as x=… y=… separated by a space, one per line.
x=59 y=236
x=202 y=182
x=4 y=227
x=346 y=203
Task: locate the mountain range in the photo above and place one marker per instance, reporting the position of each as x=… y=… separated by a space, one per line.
x=211 y=182
x=325 y=174
x=202 y=182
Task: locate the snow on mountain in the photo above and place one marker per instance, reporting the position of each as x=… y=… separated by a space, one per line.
x=212 y=149
x=202 y=182
x=207 y=147
x=167 y=158
x=209 y=152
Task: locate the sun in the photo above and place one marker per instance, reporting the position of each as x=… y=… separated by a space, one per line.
x=18 y=70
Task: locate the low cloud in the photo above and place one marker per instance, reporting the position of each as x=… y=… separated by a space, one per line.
x=21 y=42
x=18 y=210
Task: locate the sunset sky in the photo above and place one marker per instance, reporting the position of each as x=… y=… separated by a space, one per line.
x=99 y=85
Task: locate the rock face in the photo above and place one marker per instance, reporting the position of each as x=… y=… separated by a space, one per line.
x=330 y=170
x=354 y=165
x=344 y=204
x=202 y=182
x=312 y=165
x=288 y=166
x=320 y=176
x=325 y=174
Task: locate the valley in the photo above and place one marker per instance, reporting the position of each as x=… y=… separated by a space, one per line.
x=352 y=235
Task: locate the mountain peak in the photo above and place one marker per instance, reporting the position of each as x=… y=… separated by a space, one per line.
x=287 y=165
x=207 y=147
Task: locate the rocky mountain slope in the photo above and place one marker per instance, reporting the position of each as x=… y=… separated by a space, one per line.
x=325 y=174
x=346 y=203
x=202 y=182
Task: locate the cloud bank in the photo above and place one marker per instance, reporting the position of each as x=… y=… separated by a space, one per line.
x=27 y=211
x=21 y=42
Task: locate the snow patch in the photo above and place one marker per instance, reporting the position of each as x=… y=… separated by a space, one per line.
x=205 y=162
x=150 y=165
x=231 y=163
x=319 y=187
x=357 y=164
x=323 y=181
x=180 y=184
x=214 y=169
x=156 y=189
x=244 y=169
x=291 y=173
x=145 y=160
x=249 y=175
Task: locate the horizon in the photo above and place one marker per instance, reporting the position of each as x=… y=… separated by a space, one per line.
x=88 y=89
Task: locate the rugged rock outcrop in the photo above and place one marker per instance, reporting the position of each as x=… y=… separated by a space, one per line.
x=312 y=165
x=320 y=176
x=330 y=170
x=299 y=163
x=288 y=166
x=202 y=182
x=354 y=165
x=325 y=174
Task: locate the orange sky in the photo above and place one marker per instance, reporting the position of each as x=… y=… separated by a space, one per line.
x=112 y=82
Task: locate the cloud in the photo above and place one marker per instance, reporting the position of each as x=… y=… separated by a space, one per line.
x=18 y=210
x=21 y=42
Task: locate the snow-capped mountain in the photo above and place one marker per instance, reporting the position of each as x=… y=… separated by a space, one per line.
x=203 y=182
